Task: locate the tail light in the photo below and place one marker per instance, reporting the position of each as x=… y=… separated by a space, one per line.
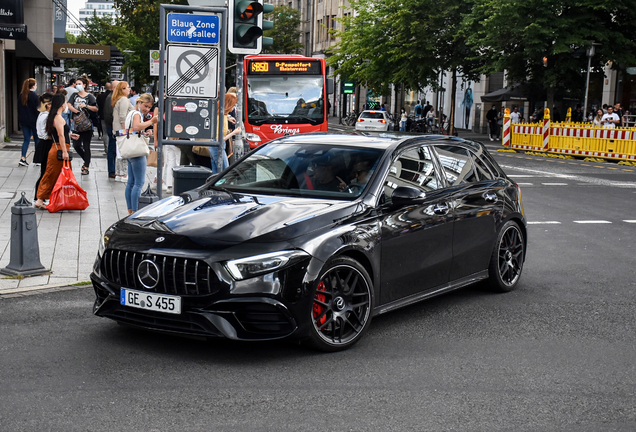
x=360 y=120
x=382 y=121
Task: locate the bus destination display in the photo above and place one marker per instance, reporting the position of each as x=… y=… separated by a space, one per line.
x=277 y=67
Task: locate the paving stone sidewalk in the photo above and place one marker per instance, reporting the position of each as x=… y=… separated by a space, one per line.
x=68 y=240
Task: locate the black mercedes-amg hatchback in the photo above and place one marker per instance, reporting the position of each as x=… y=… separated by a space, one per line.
x=311 y=236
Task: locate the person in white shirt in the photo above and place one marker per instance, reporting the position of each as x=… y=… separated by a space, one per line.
x=610 y=120
x=515 y=115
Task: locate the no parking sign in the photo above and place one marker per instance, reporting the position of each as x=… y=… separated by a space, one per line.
x=192 y=71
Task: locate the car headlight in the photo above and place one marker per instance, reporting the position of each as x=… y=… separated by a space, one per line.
x=103 y=240
x=252 y=137
x=245 y=268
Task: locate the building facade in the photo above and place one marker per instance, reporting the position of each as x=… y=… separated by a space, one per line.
x=98 y=8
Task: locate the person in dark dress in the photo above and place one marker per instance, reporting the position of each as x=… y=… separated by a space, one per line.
x=28 y=103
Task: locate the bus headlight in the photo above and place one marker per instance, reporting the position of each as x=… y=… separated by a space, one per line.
x=252 y=137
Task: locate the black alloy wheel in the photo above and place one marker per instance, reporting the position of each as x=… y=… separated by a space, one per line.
x=506 y=262
x=342 y=306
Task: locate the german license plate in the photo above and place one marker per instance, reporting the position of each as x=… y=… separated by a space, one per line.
x=150 y=301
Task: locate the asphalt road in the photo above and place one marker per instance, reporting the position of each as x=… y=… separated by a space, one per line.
x=557 y=354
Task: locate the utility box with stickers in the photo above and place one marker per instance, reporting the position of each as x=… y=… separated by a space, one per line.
x=190 y=118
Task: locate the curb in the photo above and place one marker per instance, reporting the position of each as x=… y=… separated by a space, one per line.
x=41 y=289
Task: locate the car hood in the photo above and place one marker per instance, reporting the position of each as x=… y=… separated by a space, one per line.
x=236 y=218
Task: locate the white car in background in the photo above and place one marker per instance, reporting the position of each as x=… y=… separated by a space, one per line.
x=373 y=121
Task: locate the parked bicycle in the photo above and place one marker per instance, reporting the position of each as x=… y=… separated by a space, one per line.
x=351 y=118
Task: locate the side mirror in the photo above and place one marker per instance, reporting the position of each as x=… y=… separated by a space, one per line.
x=406 y=195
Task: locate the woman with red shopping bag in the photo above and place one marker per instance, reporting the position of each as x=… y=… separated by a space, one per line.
x=57 y=128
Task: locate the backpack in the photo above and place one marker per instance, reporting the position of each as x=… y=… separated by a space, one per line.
x=418 y=109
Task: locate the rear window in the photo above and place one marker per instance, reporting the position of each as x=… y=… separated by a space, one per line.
x=372 y=115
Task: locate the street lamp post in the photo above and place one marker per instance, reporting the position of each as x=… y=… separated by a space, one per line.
x=590 y=54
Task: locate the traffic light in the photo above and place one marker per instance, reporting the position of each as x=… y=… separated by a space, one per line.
x=246 y=25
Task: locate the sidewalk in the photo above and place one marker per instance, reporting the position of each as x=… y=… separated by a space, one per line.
x=68 y=241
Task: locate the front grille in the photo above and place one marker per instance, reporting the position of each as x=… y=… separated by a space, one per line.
x=180 y=276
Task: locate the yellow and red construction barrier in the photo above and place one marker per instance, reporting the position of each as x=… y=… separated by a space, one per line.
x=578 y=139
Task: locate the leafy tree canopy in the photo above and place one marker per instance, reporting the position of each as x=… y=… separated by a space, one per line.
x=286 y=32
x=516 y=35
x=409 y=41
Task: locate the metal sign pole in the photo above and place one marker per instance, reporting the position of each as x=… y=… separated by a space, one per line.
x=240 y=144
x=161 y=96
x=218 y=92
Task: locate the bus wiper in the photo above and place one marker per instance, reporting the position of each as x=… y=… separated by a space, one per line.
x=303 y=119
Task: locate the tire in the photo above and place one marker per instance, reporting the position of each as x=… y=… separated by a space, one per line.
x=342 y=307
x=506 y=261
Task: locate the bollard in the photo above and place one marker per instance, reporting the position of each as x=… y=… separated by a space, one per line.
x=147 y=197
x=25 y=250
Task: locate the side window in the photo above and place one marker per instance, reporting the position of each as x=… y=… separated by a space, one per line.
x=457 y=164
x=482 y=169
x=415 y=168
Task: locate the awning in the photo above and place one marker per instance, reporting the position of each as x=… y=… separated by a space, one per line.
x=504 y=94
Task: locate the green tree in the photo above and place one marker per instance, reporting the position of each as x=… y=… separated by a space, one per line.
x=101 y=31
x=516 y=36
x=286 y=32
x=407 y=42
x=140 y=19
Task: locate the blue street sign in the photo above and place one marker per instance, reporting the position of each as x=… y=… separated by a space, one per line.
x=191 y=28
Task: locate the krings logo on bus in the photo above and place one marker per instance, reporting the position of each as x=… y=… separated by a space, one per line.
x=279 y=129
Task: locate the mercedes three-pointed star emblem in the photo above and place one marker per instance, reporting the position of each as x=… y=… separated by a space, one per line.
x=148 y=274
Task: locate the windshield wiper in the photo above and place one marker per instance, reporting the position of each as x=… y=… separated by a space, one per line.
x=235 y=196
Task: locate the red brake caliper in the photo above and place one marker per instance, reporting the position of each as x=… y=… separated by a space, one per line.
x=318 y=308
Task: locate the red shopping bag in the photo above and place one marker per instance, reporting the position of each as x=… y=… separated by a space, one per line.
x=67 y=194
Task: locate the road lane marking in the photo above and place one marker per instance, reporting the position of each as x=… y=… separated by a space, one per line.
x=525 y=184
x=630 y=221
x=521 y=175
x=592 y=222
x=545 y=223
x=554 y=184
x=574 y=178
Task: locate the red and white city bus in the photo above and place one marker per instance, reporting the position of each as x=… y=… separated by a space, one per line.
x=283 y=95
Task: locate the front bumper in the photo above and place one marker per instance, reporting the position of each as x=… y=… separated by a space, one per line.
x=205 y=311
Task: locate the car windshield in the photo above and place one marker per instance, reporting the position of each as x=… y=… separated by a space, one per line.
x=293 y=99
x=311 y=170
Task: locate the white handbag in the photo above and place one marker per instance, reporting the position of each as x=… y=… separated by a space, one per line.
x=132 y=144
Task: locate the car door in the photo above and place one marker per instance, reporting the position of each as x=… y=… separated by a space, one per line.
x=476 y=194
x=416 y=243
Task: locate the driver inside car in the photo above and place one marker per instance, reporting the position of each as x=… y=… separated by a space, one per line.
x=324 y=177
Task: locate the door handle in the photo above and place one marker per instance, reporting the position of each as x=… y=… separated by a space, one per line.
x=491 y=197
x=440 y=209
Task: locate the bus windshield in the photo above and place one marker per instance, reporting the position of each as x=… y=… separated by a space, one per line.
x=292 y=99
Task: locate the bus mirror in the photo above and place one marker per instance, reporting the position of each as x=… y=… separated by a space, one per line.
x=329 y=85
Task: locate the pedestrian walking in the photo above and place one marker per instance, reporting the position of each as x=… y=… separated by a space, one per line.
x=598 y=119
x=83 y=102
x=137 y=165
x=44 y=146
x=491 y=116
x=58 y=130
x=121 y=108
x=404 y=117
x=101 y=104
x=230 y=102
x=70 y=91
x=419 y=110
x=111 y=155
x=610 y=120
x=515 y=115
x=28 y=104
